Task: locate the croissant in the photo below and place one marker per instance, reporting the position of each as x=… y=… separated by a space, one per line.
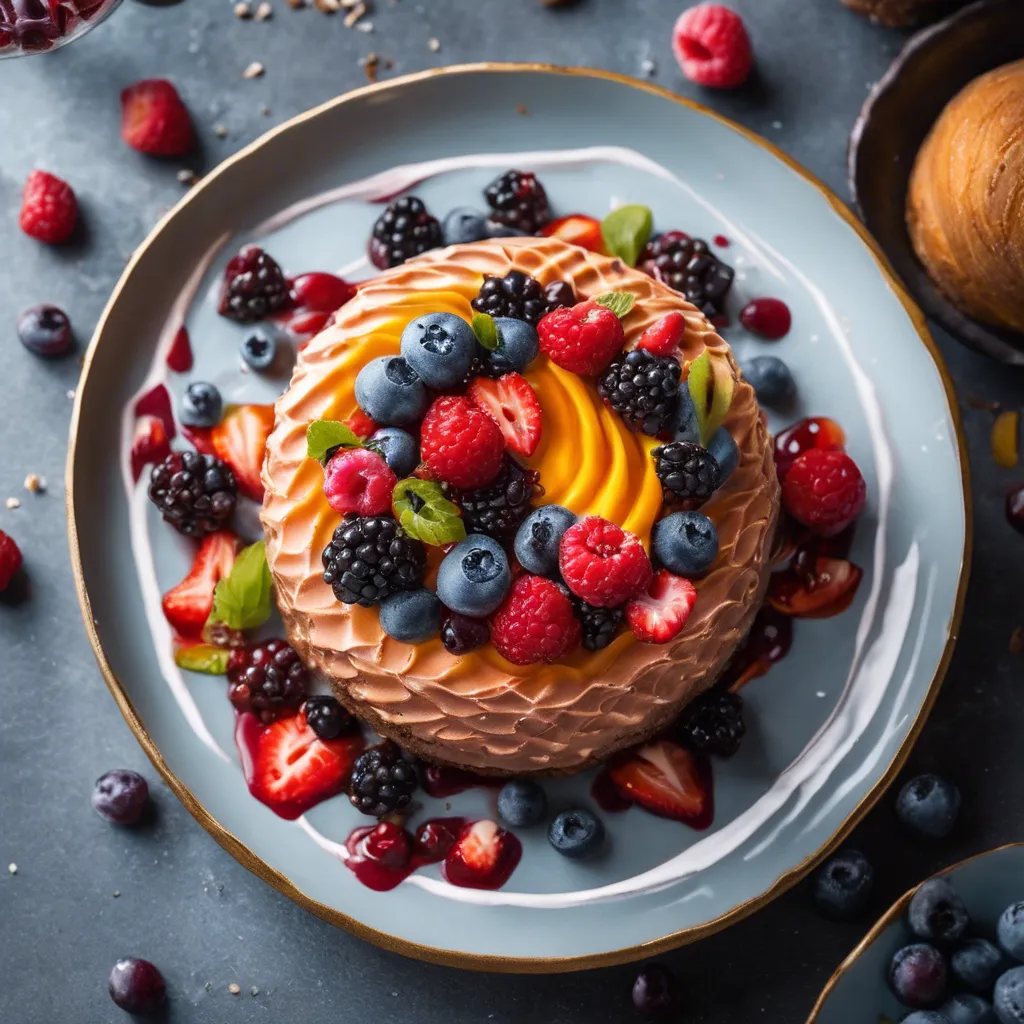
x=965 y=203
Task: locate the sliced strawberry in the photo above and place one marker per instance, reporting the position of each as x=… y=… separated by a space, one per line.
x=288 y=767
x=667 y=780
x=815 y=592
x=188 y=605
x=664 y=336
x=660 y=614
x=240 y=439
x=361 y=425
x=483 y=857
x=577 y=229
x=179 y=355
x=512 y=403
x=157 y=402
x=150 y=444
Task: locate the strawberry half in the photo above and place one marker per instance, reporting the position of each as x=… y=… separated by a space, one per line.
x=188 y=605
x=666 y=779
x=577 y=229
x=660 y=614
x=483 y=857
x=240 y=439
x=512 y=403
x=288 y=767
x=664 y=336
x=150 y=444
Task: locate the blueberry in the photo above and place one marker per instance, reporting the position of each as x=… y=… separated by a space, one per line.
x=917 y=976
x=121 y=796
x=685 y=425
x=390 y=391
x=201 y=405
x=976 y=963
x=519 y=344
x=725 y=451
x=686 y=543
x=259 y=349
x=464 y=224
x=926 y=1017
x=843 y=886
x=399 y=449
x=1008 y=998
x=474 y=578
x=1010 y=930
x=577 y=834
x=966 y=1008
x=771 y=380
x=937 y=913
x=522 y=803
x=412 y=616
x=439 y=347
x=45 y=330
x=928 y=806
x=136 y=986
x=654 y=992
x=539 y=536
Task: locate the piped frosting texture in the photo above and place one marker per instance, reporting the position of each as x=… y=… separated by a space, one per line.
x=479 y=710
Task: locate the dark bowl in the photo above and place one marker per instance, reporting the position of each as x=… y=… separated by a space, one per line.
x=932 y=68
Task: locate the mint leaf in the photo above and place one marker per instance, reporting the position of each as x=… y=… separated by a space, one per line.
x=426 y=514
x=620 y=303
x=242 y=599
x=486 y=331
x=324 y=437
x=205 y=658
x=626 y=231
x=711 y=385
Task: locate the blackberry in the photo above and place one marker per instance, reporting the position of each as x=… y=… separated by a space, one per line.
x=687 y=265
x=518 y=200
x=382 y=781
x=327 y=718
x=521 y=297
x=369 y=558
x=195 y=493
x=600 y=625
x=713 y=723
x=405 y=229
x=254 y=287
x=643 y=389
x=266 y=678
x=498 y=509
x=688 y=473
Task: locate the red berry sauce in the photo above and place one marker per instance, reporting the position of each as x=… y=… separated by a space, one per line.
x=441 y=782
x=461 y=870
x=815 y=432
x=319 y=292
x=157 y=402
x=767 y=318
x=767 y=643
x=606 y=795
x=179 y=355
x=721 y=241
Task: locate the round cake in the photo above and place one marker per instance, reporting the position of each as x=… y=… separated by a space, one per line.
x=479 y=710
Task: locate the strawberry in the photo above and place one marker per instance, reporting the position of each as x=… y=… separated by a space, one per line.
x=665 y=335
x=288 y=767
x=577 y=229
x=660 y=614
x=240 y=439
x=150 y=445
x=201 y=438
x=188 y=605
x=483 y=857
x=666 y=779
x=154 y=120
x=361 y=425
x=512 y=403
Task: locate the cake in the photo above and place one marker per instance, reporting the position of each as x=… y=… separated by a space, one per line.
x=478 y=710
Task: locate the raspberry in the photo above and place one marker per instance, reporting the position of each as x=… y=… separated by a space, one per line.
x=583 y=338
x=712 y=46
x=664 y=336
x=359 y=480
x=460 y=443
x=602 y=563
x=10 y=560
x=535 y=623
x=824 y=490
x=49 y=210
x=154 y=120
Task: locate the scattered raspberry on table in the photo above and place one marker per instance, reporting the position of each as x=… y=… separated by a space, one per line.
x=49 y=209
x=10 y=560
x=712 y=46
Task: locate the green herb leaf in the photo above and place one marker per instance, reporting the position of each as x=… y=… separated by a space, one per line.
x=242 y=599
x=711 y=385
x=486 y=331
x=426 y=514
x=212 y=661
x=324 y=437
x=626 y=231
x=620 y=303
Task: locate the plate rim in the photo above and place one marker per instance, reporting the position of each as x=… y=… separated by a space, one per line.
x=885 y=922
x=279 y=881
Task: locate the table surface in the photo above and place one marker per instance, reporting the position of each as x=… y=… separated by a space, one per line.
x=86 y=893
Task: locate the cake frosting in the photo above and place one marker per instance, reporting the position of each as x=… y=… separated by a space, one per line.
x=478 y=710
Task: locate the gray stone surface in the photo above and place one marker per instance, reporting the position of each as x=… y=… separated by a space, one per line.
x=185 y=903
